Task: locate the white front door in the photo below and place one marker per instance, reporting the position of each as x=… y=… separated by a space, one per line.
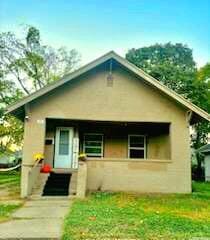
x=63 y=147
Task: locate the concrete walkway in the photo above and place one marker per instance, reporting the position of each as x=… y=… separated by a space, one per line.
x=37 y=219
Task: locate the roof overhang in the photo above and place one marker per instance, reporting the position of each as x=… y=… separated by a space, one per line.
x=18 y=108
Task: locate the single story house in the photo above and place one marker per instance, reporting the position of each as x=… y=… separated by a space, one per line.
x=133 y=129
x=205 y=150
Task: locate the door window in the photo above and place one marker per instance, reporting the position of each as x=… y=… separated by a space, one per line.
x=64 y=142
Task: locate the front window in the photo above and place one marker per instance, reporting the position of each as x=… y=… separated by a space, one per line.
x=93 y=145
x=136 y=146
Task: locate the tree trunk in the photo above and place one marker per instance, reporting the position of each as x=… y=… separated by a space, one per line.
x=199 y=171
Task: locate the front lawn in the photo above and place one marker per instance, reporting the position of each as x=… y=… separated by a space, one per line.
x=6 y=210
x=9 y=194
x=9 y=185
x=127 y=216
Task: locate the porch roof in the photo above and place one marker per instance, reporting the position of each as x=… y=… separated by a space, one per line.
x=18 y=108
x=54 y=122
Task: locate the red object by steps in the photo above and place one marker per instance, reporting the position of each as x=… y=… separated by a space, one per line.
x=46 y=168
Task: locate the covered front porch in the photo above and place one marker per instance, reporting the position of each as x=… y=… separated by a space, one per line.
x=104 y=141
x=119 y=155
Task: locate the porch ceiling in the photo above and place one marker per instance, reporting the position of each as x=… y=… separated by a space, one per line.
x=149 y=127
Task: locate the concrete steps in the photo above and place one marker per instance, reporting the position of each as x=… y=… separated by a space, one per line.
x=50 y=198
x=39 y=185
x=41 y=181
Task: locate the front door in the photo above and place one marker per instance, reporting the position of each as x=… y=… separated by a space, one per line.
x=63 y=147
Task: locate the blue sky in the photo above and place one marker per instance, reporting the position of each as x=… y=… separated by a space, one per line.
x=94 y=27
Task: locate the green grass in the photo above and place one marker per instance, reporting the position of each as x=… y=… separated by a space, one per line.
x=9 y=185
x=9 y=191
x=6 y=210
x=127 y=216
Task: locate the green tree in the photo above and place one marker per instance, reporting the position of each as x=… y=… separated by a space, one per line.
x=203 y=75
x=11 y=129
x=27 y=65
x=202 y=96
x=172 y=64
x=32 y=64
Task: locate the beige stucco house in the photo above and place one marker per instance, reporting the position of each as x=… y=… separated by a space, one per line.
x=133 y=129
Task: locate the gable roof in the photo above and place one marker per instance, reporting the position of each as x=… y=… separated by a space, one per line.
x=131 y=67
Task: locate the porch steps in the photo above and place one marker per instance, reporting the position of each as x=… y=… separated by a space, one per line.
x=50 y=198
x=39 y=186
x=57 y=185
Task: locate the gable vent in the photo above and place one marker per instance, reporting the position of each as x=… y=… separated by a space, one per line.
x=110 y=80
x=110 y=75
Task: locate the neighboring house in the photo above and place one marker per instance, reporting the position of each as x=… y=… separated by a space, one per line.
x=133 y=129
x=205 y=150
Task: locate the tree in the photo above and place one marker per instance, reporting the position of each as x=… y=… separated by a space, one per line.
x=32 y=64
x=203 y=100
x=11 y=129
x=173 y=65
x=201 y=97
x=26 y=66
x=203 y=75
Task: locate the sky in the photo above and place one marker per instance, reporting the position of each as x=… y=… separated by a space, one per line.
x=94 y=27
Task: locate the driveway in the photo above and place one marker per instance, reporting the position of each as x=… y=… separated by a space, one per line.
x=37 y=219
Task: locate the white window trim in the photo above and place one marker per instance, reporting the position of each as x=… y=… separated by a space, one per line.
x=102 y=145
x=137 y=148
